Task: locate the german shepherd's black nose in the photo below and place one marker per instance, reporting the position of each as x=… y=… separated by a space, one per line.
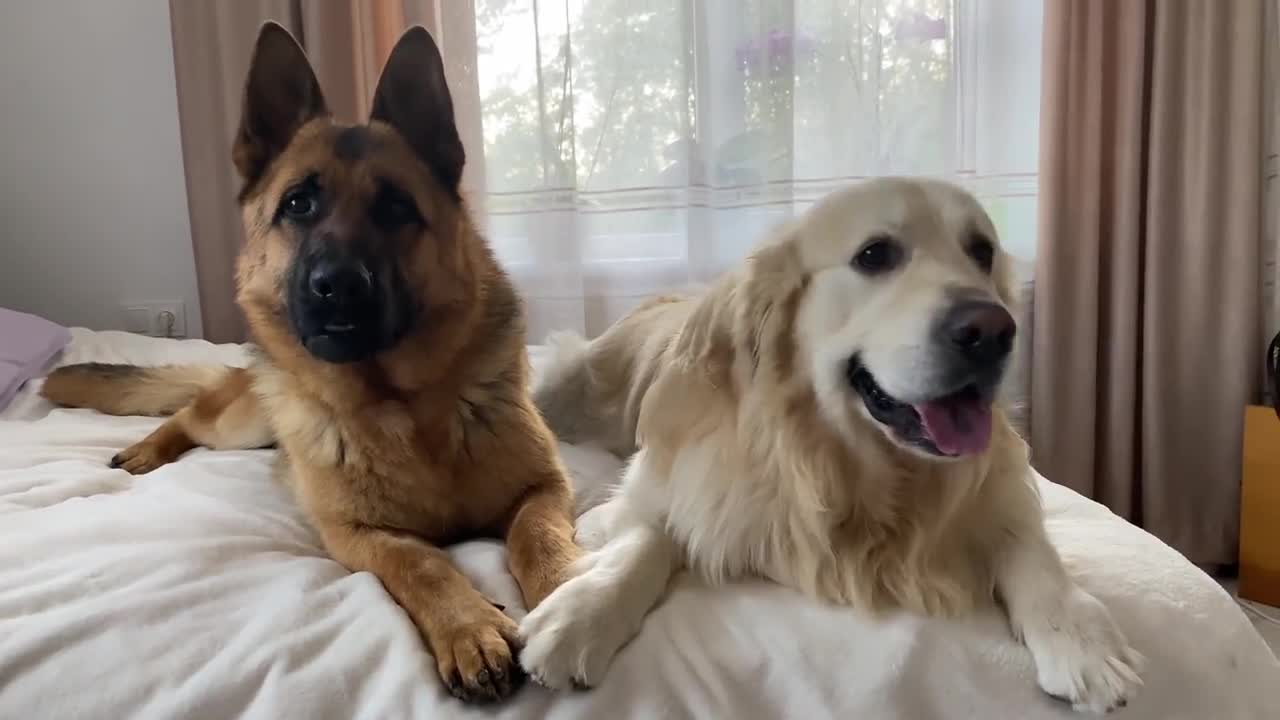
x=341 y=283
x=981 y=332
x=342 y=309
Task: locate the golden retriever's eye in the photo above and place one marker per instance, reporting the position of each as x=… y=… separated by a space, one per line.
x=983 y=252
x=880 y=254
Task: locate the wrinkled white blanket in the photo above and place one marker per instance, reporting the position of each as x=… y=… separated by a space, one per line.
x=199 y=591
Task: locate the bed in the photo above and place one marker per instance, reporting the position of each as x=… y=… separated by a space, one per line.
x=199 y=591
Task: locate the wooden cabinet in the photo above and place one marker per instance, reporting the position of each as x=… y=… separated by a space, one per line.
x=1260 y=507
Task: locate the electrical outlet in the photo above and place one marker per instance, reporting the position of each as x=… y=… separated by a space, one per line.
x=157 y=319
x=137 y=320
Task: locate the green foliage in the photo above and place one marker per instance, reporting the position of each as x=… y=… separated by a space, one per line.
x=605 y=100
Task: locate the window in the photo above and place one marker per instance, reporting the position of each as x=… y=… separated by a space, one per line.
x=635 y=146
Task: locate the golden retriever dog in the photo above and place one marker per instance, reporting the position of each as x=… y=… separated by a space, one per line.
x=391 y=368
x=825 y=416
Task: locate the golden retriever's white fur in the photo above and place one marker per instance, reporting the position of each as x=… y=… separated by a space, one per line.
x=751 y=454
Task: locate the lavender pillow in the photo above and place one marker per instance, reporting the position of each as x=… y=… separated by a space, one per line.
x=27 y=344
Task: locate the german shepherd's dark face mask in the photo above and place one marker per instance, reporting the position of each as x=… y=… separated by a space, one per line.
x=351 y=230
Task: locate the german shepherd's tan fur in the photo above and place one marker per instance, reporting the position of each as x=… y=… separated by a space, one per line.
x=429 y=441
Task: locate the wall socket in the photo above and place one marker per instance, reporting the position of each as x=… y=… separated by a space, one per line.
x=157 y=319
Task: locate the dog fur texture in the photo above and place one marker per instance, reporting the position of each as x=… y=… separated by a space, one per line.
x=402 y=409
x=750 y=455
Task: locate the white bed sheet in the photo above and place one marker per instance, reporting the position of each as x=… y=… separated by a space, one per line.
x=199 y=591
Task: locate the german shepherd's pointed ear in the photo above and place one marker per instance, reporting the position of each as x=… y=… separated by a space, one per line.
x=280 y=96
x=413 y=97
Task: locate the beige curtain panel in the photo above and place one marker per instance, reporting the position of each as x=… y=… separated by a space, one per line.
x=1146 y=343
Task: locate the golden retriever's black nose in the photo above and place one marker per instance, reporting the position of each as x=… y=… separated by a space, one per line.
x=340 y=283
x=982 y=332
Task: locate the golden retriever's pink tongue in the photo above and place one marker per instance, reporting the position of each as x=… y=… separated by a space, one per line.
x=958 y=426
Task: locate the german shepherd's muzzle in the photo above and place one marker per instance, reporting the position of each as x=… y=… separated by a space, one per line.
x=347 y=300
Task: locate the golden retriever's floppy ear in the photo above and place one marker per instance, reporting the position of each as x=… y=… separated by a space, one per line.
x=748 y=313
x=280 y=96
x=706 y=339
x=770 y=296
x=413 y=97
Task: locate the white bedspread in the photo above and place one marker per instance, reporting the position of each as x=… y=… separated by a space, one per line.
x=199 y=591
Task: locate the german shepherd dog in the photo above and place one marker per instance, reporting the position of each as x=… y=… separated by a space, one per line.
x=391 y=367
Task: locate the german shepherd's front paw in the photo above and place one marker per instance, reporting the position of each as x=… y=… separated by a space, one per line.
x=476 y=657
x=143 y=457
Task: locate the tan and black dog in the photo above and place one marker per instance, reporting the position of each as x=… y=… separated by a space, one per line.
x=392 y=371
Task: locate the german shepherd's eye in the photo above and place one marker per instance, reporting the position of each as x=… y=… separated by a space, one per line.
x=300 y=203
x=879 y=255
x=982 y=251
x=393 y=209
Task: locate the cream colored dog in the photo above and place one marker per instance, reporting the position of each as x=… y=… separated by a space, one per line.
x=824 y=416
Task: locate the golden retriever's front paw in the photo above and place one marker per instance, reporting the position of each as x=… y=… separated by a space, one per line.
x=571 y=637
x=1082 y=657
x=142 y=457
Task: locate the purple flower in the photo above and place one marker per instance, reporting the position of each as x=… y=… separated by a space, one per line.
x=920 y=27
x=775 y=47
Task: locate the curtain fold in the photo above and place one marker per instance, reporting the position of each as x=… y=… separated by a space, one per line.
x=1271 y=177
x=211 y=46
x=1146 y=344
x=347 y=43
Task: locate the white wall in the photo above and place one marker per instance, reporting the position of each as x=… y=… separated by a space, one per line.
x=93 y=206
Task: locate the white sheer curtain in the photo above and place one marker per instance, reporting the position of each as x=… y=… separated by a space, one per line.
x=633 y=147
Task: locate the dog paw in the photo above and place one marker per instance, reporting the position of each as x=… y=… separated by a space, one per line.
x=476 y=658
x=1083 y=658
x=571 y=636
x=141 y=458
